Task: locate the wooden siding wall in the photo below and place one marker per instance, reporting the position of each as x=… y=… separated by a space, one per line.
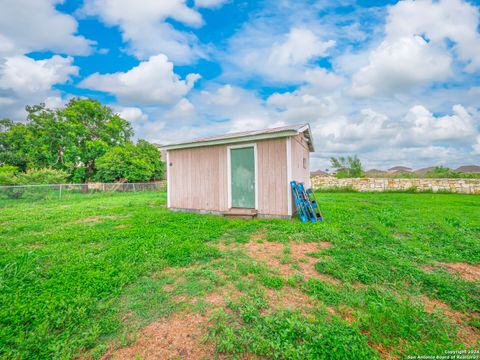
x=272 y=177
x=299 y=152
x=198 y=178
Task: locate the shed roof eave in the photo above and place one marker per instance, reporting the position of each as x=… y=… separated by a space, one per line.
x=187 y=145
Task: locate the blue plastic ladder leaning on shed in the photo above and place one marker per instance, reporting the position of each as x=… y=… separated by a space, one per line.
x=306 y=203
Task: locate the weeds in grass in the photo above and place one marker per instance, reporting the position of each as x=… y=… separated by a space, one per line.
x=68 y=287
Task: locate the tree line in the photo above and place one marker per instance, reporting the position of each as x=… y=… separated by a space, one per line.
x=80 y=142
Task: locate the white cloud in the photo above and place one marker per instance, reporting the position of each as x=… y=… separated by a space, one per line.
x=423 y=128
x=54 y=102
x=25 y=76
x=145 y=29
x=399 y=65
x=151 y=82
x=229 y=103
x=300 y=46
x=132 y=114
x=455 y=20
x=25 y=81
x=278 y=58
x=36 y=25
x=422 y=41
x=209 y=3
x=476 y=146
x=183 y=110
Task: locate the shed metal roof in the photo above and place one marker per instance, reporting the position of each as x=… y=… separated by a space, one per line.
x=254 y=135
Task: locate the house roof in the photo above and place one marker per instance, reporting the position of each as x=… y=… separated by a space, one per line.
x=400 y=168
x=375 y=171
x=469 y=169
x=319 y=172
x=254 y=135
x=425 y=170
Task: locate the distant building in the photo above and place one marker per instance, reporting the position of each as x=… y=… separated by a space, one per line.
x=469 y=169
x=425 y=170
x=399 y=169
x=374 y=172
x=319 y=173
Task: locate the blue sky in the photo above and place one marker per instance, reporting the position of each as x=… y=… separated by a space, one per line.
x=397 y=83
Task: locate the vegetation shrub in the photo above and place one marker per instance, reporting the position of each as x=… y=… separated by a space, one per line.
x=73 y=138
x=139 y=162
x=9 y=176
x=42 y=176
x=347 y=167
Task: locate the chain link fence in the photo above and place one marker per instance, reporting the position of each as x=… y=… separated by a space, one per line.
x=61 y=191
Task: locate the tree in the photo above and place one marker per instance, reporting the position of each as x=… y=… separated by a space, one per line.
x=12 y=137
x=152 y=154
x=139 y=162
x=350 y=166
x=72 y=138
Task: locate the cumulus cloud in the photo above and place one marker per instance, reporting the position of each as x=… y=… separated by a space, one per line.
x=476 y=146
x=278 y=58
x=416 y=49
x=151 y=82
x=146 y=30
x=455 y=20
x=423 y=128
x=24 y=75
x=209 y=3
x=25 y=81
x=36 y=25
x=397 y=66
x=132 y=114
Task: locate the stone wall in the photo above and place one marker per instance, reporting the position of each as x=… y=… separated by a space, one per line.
x=464 y=186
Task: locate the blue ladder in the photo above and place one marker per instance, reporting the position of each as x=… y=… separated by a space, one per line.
x=306 y=203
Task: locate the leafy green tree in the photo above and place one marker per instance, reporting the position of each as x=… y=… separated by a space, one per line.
x=72 y=138
x=12 y=137
x=349 y=166
x=139 y=162
x=152 y=154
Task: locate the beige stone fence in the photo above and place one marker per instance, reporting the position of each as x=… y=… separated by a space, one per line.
x=464 y=186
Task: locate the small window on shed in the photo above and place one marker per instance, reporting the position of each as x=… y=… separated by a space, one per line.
x=304 y=163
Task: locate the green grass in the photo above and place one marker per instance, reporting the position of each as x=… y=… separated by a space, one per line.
x=72 y=270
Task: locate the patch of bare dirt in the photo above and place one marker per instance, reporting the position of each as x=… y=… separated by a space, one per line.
x=261 y=236
x=35 y=245
x=272 y=252
x=467 y=334
x=227 y=246
x=288 y=298
x=384 y=352
x=94 y=219
x=180 y=336
x=177 y=337
x=90 y=219
x=122 y=226
x=219 y=297
x=347 y=313
x=428 y=268
x=466 y=271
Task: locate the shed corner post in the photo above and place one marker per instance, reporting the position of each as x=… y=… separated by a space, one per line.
x=168 y=179
x=289 y=175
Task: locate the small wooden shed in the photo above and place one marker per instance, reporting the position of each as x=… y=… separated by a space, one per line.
x=245 y=173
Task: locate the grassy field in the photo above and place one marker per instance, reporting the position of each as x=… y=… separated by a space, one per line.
x=385 y=276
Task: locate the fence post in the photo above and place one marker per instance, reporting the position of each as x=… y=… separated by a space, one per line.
x=103 y=187
x=134 y=187
x=60 y=191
